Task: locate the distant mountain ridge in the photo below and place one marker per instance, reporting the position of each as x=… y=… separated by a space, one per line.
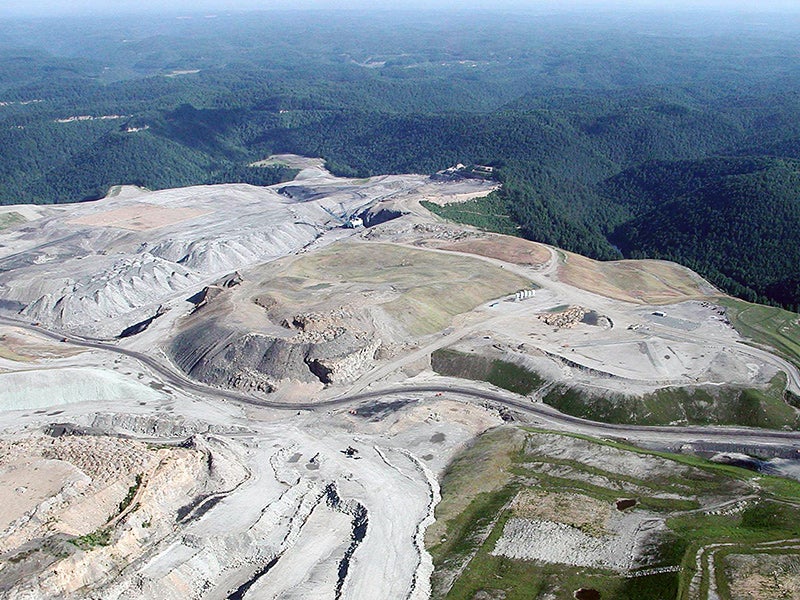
x=596 y=131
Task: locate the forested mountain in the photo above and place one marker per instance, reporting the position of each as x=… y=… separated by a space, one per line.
x=734 y=220
x=624 y=134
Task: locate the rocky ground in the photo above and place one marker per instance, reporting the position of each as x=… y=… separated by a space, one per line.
x=170 y=364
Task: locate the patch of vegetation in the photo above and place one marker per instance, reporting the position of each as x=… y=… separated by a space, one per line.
x=769 y=516
x=425 y=280
x=767 y=408
x=101 y=537
x=489 y=213
x=475 y=486
x=153 y=447
x=768 y=326
x=10 y=218
x=498 y=372
x=774 y=515
x=261 y=176
x=126 y=501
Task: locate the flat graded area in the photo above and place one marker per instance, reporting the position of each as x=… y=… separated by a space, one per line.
x=421 y=290
x=291 y=160
x=502 y=247
x=139 y=217
x=19 y=345
x=456 y=198
x=553 y=514
x=640 y=281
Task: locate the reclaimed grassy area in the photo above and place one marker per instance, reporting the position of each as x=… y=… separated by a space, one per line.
x=640 y=281
x=775 y=328
x=682 y=491
x=424 y=290
x=501 y=373
x=768 y=408
x=10 y=218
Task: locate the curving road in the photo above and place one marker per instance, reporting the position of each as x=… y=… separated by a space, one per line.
x=541 y=412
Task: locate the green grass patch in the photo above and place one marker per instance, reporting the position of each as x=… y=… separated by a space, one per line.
x=660 y=484
x=481 y=512
x=489 y=213
x=767 y=408
x=606 y=494
x=10 y=219
x=611 y=408
x=762 y=521
x=774 y=516
x=126 y=501
x=430 y=287
x=775 y=328
x=475 y=488
x=480 y=470
x=557 y=309
x=101 y=537
x=501 y=373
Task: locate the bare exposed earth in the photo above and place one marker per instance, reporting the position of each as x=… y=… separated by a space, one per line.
x=139 y=217
x=504 y=248
x=642 y=281
x=121 y=476
x=763 y=576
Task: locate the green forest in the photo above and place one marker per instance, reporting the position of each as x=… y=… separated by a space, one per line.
x=614 y=135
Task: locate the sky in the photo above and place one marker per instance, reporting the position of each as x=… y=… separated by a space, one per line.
x=65 y=7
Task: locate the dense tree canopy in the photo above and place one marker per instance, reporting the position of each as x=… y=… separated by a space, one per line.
x=612 y=137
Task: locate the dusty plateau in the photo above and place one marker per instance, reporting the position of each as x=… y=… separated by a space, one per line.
x=227 y=392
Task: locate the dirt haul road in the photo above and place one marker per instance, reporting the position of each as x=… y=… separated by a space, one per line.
x=541 y=412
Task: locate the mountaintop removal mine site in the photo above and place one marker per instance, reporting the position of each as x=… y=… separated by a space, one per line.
x=319 y=389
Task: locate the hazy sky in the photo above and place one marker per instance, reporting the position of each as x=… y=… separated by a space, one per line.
x=60 y=7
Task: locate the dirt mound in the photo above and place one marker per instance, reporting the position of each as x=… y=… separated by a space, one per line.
x=641 y=281
x=565 y=318
x=224 y=357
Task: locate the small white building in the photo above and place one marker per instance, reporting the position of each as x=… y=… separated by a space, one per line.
x=354 y=223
